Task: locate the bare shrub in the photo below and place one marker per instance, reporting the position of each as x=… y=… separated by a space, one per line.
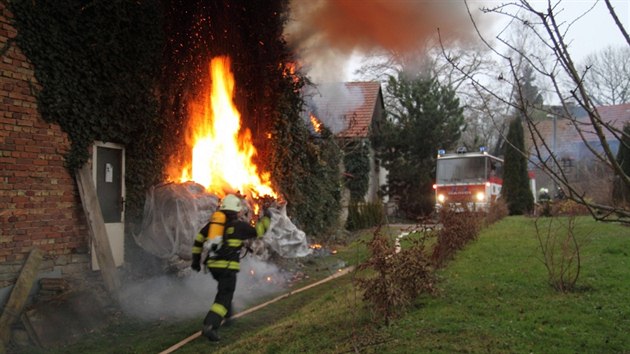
x=393 y=280
x=560 y=248
x=497 y=211
x=543 y=209
x=568 y=207
x=458 y=228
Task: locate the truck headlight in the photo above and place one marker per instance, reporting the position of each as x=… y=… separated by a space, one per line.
x=441 y=198
x=481 y=196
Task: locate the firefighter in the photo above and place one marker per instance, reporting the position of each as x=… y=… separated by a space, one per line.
x=223 y=257
x=543 y=195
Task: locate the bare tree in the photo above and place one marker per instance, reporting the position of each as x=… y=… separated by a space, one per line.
x=608 y=75
x=427 y=60
x=555 y=65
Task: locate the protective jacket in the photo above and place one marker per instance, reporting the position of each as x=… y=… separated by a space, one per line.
x=227 y=255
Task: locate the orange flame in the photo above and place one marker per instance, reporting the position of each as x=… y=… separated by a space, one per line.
x=221 y=153
x=317 y=125
x=290 y=69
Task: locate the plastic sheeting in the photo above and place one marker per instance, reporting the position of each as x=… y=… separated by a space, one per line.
x=175 y=212
x=284 y=237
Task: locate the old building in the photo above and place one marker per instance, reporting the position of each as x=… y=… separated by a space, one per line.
x=575 y=151
x=39 y=202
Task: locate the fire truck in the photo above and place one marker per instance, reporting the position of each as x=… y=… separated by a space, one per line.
x=465 y=179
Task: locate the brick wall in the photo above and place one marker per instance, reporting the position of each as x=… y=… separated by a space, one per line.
x=39 y=202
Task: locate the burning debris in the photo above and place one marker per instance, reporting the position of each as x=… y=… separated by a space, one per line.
x=175 y=212
x=221 y=162
x=318 y=250
x=222 y=151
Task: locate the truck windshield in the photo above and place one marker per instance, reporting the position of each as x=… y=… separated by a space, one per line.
x=461 y=170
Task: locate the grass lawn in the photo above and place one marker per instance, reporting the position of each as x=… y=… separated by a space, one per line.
x=493 y=298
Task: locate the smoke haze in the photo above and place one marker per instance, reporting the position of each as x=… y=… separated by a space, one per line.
x=325 y=33
x=325 y=101
x=191 y=296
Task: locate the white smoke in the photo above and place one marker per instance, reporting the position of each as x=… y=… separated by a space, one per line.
x=189 y=297
x=331 y=102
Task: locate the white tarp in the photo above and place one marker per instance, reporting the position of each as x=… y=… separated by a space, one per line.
x=175 y=212
x=284 y=237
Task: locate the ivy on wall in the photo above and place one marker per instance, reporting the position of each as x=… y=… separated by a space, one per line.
x=96 y=63
x=125 y=71
x=303 y=169
x=357 y=162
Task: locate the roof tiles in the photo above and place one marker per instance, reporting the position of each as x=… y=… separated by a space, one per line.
x=357 y=108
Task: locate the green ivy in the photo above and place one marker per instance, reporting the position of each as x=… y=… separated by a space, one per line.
x=97 y=63
x=357 y=163
x=125 y=71
x=307 y=170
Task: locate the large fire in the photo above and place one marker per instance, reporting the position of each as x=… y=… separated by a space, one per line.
x=221 y=153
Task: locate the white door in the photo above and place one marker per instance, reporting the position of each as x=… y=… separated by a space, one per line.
x=108 y=172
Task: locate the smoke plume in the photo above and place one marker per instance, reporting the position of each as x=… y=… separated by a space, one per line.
x=325 y=33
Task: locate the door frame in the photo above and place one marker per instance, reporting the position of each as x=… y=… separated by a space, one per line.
x=115 y=231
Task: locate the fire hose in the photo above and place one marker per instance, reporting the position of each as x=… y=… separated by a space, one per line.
x=338 y=274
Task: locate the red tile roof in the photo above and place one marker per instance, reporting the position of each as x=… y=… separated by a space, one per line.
x=359 y=109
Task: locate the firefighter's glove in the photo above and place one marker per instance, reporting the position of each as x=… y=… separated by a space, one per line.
x=262 y=225
x=196 y=260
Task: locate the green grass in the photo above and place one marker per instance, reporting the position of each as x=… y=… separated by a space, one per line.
x=493 y=298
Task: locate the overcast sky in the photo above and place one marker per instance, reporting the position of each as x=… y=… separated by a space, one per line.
x=596 y=29
x=593 y=31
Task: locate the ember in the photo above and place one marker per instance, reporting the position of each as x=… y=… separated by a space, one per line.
x=318 y=250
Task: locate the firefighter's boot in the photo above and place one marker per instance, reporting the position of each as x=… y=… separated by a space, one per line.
x=227 y=322
x=211 y=333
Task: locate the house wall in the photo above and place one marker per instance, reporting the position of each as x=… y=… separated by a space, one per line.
x=587 y=176
x=39 y=202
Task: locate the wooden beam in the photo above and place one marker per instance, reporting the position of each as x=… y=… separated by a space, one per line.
x=19 y=293
x=96 y=224
x=258 y=307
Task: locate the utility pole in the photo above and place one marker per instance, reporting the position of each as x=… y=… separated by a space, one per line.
x=553 y=151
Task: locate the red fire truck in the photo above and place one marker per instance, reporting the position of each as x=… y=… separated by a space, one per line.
x=467 y=179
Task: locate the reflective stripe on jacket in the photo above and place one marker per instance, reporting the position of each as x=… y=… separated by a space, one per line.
x=229 y=254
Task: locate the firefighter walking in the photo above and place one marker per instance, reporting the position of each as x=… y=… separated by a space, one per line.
x=222 y=239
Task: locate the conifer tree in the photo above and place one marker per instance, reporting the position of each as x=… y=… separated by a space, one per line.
x=516 y=191
x=621 y=193
x=423 y=116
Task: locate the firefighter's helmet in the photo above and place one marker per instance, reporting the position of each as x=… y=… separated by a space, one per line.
x=231 y=202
